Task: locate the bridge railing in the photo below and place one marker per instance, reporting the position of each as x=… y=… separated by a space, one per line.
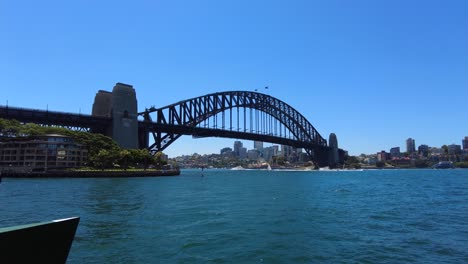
x=5 y=108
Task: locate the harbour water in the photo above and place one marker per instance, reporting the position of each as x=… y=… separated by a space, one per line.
x=222 y=216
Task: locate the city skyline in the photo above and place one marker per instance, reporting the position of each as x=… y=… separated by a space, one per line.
x=246 y=144
x=372 y=77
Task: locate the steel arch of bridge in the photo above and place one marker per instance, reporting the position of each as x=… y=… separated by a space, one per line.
x=189 y=117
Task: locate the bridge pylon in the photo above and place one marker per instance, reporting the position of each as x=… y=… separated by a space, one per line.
x=121 y=106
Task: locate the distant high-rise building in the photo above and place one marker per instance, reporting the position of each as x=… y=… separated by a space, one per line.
x=303 y=157
x=237 y=148
x=258 y=145
x=465 y=143
x=436 y=151
x=454 y=149
x=286 y=150
x=253 y=154
x=395 y=152
x=225 y=150
x=270 y=152
x=423 y=150
x=410 y=145
x=332 y=141
x=333 y=154
x=242 y=153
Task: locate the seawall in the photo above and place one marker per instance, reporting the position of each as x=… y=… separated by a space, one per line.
x=90 y=174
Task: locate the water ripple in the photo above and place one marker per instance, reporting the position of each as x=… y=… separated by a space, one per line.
x=398 y=216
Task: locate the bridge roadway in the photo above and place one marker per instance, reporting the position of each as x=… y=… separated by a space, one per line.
x=99 y=124
x=54 y=118
x=199 y=132
x=95 y=124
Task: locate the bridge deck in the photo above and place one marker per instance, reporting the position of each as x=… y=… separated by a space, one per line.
x=54 y=118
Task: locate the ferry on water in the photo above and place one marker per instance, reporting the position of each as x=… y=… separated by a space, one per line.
x=443 y=165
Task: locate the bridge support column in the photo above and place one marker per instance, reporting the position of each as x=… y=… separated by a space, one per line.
x=121 y=106
x=143 y=138
x=321 y=156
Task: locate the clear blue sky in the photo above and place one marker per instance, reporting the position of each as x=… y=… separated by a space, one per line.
x=373 y=72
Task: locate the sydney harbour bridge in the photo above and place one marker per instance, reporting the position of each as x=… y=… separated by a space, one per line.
x=232 y=114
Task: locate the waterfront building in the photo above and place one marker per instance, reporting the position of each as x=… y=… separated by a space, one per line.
x=454 y=149
x=371 y=160
x=382 y=156
x=436 y=151
x=303 y=157
x=465 y=154
x=423 y=150
x=286 y=150
x=410 y=146
x=227 y=152
x=395 y=152
x=402 y=162
x=293 y=157
x=242 y=153
x=270 y=152
x=465 y=143
x=253 y=154
x=42 y=152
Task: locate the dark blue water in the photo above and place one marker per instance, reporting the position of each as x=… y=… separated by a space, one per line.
x=397 y=216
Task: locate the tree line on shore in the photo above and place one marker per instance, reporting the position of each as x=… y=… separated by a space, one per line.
x=103 y=151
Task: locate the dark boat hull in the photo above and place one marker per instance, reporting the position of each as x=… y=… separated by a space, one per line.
x=47 y=242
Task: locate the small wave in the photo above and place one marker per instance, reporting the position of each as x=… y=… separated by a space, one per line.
x=342 y=190
x=192 y=245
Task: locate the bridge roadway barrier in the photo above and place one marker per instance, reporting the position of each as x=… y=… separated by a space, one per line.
x=45 y=117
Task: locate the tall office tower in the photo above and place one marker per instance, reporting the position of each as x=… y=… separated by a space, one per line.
x=237 y=148
x=454 y=149
x=423 y=150
x=333 y=155
x=286 y=150
x=410 y=145
x=395 y=152
x=258 y=145
x=465 y=143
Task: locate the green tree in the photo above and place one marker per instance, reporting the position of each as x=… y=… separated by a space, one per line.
x=380 y=164
x=31 y=129
x=158 y=160
x=419 y=163
x=104 y=159
x=103 y=151
x=280 y=160
x=445 y=148
x=463 y=164
x=9 y=128
x=352 y=162
x=141 y=157
x=124 y=158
